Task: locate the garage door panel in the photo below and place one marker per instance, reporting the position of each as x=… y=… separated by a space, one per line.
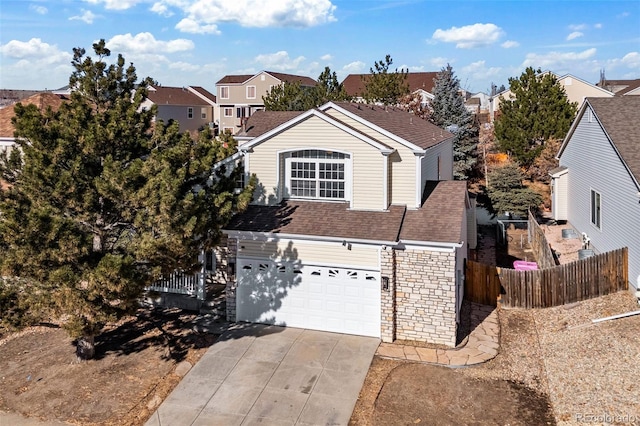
x=321 y=298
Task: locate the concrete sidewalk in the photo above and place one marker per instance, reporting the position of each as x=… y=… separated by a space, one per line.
x=268 y=375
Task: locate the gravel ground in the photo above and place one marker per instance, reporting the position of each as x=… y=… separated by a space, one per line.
x=590 y=372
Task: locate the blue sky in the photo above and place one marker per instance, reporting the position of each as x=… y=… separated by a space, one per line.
x=197 y=42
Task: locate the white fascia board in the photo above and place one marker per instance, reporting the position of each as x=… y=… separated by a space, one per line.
x=429 y=245
x=272 y=236
x=314 y=112
x=415 y=148
x=201 y=96
x=574 y=125
x=228 y=160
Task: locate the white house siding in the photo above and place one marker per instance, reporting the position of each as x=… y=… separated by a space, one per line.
x=559 y=196
x=367 y=162
x=594 y=164
x=402 y=163
x=312 y=253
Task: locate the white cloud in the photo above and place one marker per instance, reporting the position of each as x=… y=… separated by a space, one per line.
x=279 y=61
x=574 y=35
x=479 y=71
x=326 y=57
x=632 y=60
x=355 y=67
x=184 y=66
x=87 y=17
x=470 y=36
x=146 y=43
x=41 y=10
x=510 y=44
x=36 y=61
x=161 y=9
x=578 y=27
x=204 y=16
x=188 y=25
x=557 y=60
x=116 y=4
x=598 y=26
x=440 y=62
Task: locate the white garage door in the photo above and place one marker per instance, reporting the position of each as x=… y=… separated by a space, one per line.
x=323 y=298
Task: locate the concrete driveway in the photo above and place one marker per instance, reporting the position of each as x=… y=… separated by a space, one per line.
x=268 y=375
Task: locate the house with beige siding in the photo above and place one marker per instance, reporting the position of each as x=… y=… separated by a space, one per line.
x=356 y=225
x=596 y=189
x=577 y=91
x=240 y=96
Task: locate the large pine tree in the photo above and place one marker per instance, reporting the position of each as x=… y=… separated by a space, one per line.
x=449 y=112
x=383 y=86
x=539 y=112
x=103 y=202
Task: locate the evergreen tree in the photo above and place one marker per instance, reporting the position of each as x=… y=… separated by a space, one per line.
x=329 y=89
x=293 y=97
x=449 y=112
x=507 y=193
x=104 y=202
x=385 y=87
x=540 y=111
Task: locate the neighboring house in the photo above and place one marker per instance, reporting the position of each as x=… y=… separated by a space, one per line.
x=356 y=226
x=576 y=89
x=41 y=100
x=239 y=96
x=421 y=83
x=193 y=107
x=597 y=186
x=622 y=87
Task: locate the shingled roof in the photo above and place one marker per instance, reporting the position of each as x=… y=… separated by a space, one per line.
x=289 y=78
x=354 y=84
x=163 y=95
x=261 y=122
x=438 y=220
x=41 y=100
x=620 y=117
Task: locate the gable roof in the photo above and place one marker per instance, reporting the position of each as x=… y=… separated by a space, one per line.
x=41 y=100
x=400 y=125
x=263 y=121
x=619 y=118
x=620 y=87
x=354 y=84
x=438 y=220
x=203 y=93
x=163 y=95
x=289 y=78
x=440 y=216
x=300 y=117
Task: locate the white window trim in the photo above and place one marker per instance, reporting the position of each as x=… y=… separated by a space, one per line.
x=222 y=89
x=598 y=223
x=203 y=113
x=255 y=91
x=348 y=174
x=225 y=109
x=230 y=128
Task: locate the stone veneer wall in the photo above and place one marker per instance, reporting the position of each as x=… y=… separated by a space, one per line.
x=425 y=296
x=232 y=281
x=387 y=299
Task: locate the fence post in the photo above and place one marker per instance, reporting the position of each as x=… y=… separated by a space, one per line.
x=200 y=290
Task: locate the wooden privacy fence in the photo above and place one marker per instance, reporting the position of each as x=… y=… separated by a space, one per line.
x=539 y=244
x=543 y=288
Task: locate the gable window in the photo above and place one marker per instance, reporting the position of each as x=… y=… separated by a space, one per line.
x=189 y=112
x=596 y=211
x=228 y=112
x=317 y=174
x=224 y=92
x=251 y=92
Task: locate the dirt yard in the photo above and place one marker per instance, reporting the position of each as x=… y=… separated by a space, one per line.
x=554 y=367
x=133 y=372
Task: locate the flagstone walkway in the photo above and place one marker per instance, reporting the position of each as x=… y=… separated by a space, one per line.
x=481 y=346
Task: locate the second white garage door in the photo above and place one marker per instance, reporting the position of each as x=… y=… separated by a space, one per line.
x=335 y=299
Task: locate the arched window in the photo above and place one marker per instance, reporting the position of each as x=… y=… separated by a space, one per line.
x=317 y=174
